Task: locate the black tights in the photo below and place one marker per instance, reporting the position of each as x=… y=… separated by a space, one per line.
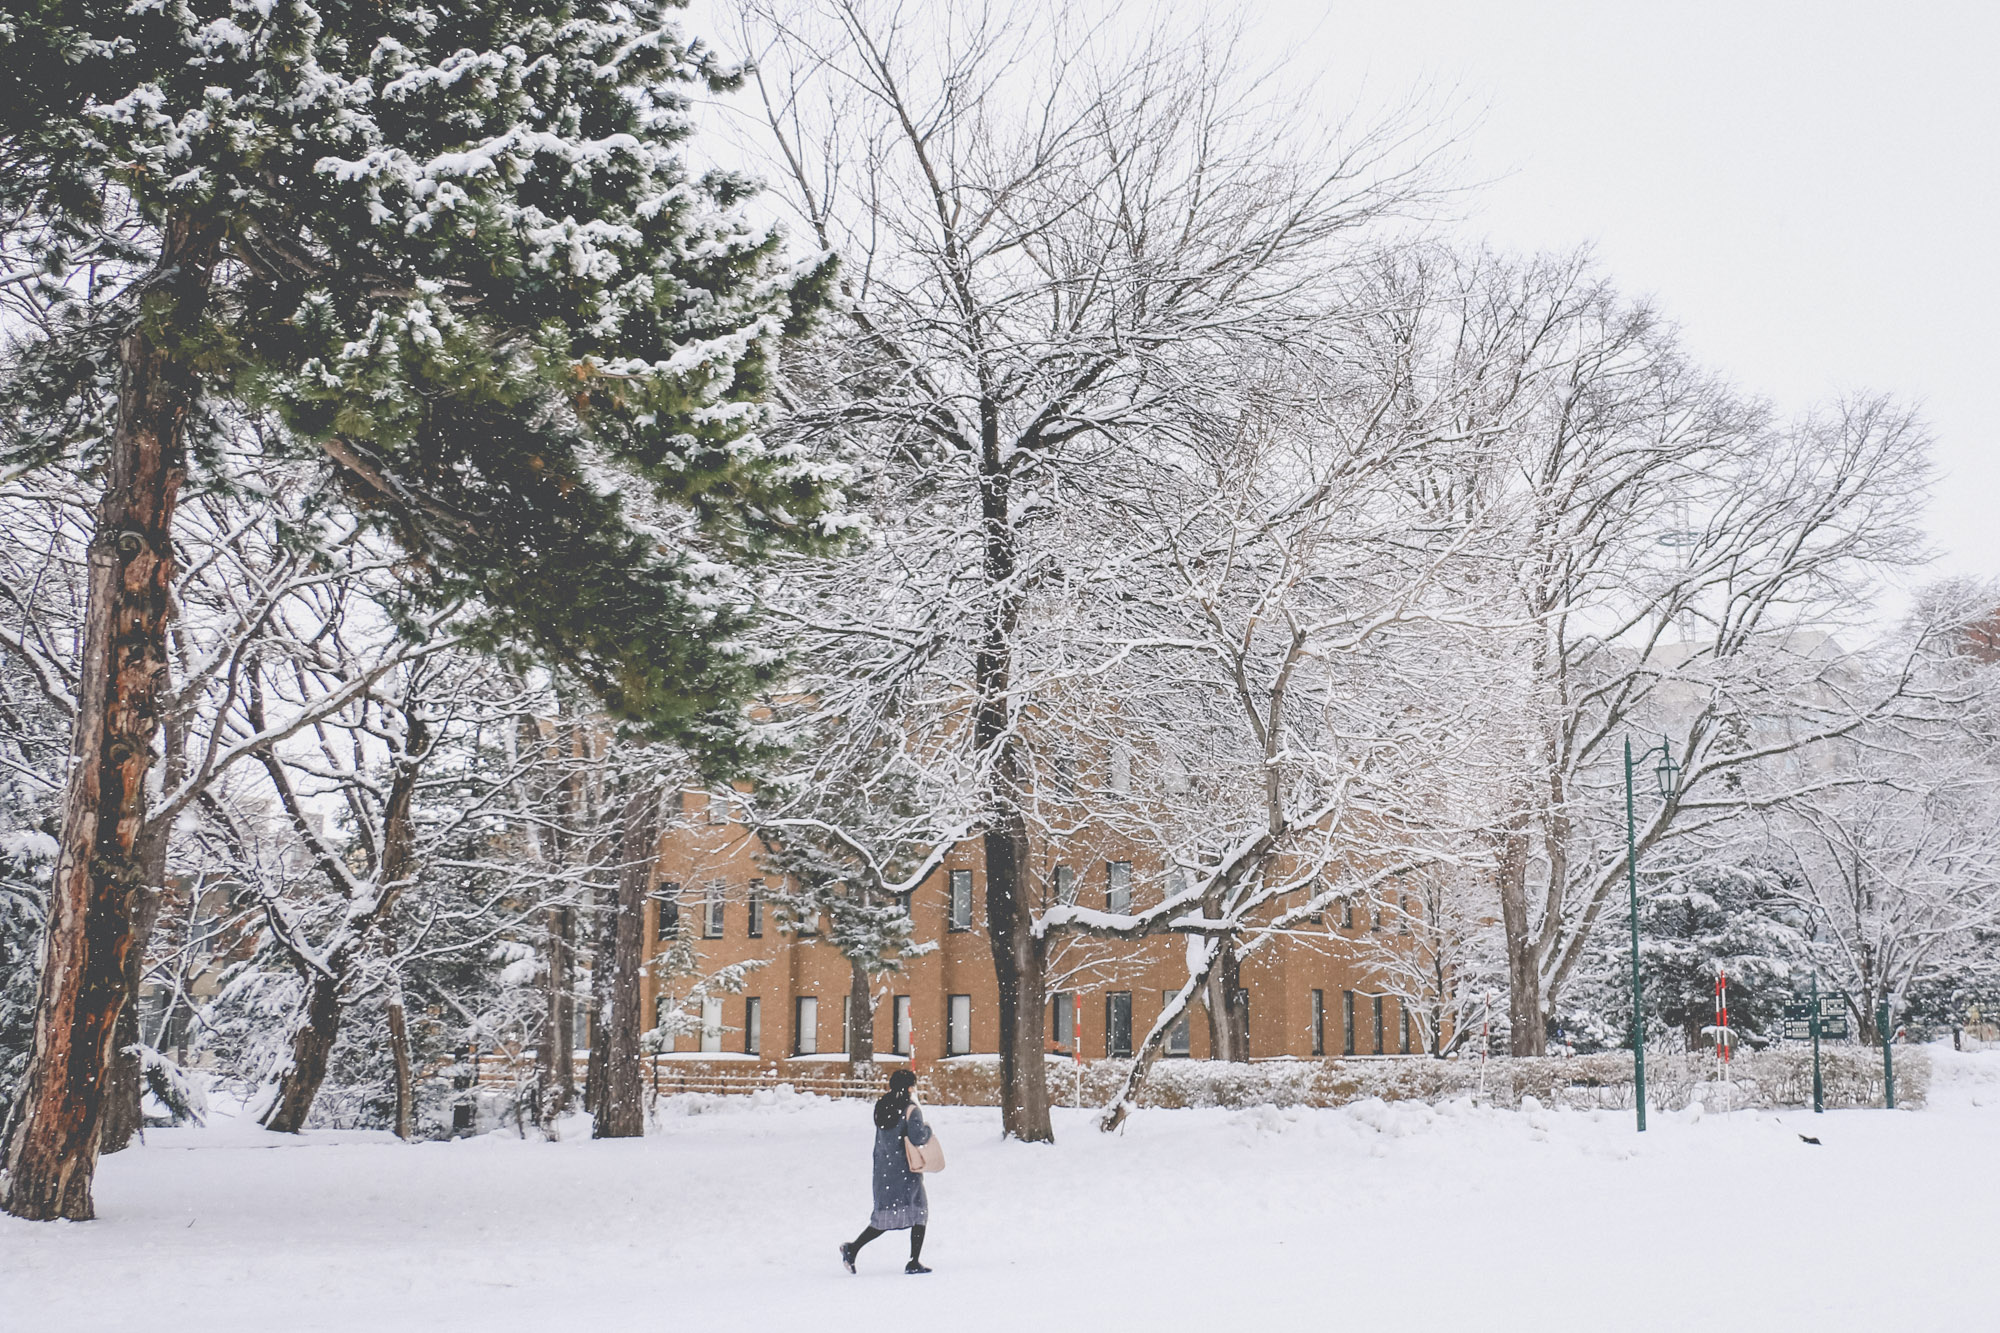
x=916 y=1240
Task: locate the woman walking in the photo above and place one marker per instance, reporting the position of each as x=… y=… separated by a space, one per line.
x=899 y=1192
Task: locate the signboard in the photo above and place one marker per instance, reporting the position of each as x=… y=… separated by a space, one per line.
x=1798 y=1022
x=1832 y=1020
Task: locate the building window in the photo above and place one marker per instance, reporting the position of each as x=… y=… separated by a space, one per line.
x=717 y=809
x=667 y=924
x=1118 y=1023
x=755 y=900
x=711 y=1026
x=1121 y=770
x=1319 y=1022
x=1403 y=1010
x=663 y=1012
x=1347 y=914
x=1179 y=1036
x=961 y=900
x=847 y=1023
x=805 y=1025
x=1347 y=1022
x=711 y=911
x=1065 y=886
x=1062 y=767
x=1065 y=1020
x=1118 y=886
x=753 y=1026
x=1378 y=1025
x=958 y=1026
x=899 y=1038
x=1403 y=919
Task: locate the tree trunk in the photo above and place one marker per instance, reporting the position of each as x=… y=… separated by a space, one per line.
x=604 y=897
x=1120 y=1107
x=622 y=1114
x=1527 y=1023
x=600 y=983
x=1018 y=959
x=99 y=881
x=399 y=1051
x=327 y=984
x=861 y=1016
x=312 y=1049
x=557 y=1054
x=1228 y=1018
x=1019 y=955
x=124 y=1115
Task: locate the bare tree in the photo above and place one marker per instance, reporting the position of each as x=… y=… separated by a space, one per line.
x=1896 y=870
x=1043 y=238
x=1669 y=558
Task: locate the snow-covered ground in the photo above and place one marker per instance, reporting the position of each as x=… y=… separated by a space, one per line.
x=1371 y=1217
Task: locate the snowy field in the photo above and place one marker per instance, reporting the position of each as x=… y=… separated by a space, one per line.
x=1371 y=1217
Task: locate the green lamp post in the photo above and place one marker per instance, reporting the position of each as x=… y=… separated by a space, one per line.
x=1667 y=775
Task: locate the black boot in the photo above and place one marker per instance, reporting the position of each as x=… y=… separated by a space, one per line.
x=915 y=1266
x=847 y=1255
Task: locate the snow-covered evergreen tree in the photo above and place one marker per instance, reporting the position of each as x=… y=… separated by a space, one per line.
x=459 y=254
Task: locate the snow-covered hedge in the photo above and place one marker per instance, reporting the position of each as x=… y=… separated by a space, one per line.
x=1772 y=1078
x=1852 y=1077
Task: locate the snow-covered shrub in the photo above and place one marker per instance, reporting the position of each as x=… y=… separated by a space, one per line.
x=1852 y=1076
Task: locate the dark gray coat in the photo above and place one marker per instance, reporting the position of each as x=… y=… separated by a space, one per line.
x=899 y=1191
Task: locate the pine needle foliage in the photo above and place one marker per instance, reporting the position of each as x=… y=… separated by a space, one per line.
x=460 y=257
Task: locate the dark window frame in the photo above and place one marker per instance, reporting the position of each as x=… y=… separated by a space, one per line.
x=902 y=1021
x=799 y=1028
x=957 y=1035
x=1118 y=1024
x=753 y=1025
x=1062 y=1005
x=714 y=908
x=1179 y=1041
x=1347 y=1022
x=1380 y=1047
x=1063 y=881
x=1319 y=1022
x=663 y=1009
x=667 y=911
x=1113 y=889
x=954 y=920
x=754 y=901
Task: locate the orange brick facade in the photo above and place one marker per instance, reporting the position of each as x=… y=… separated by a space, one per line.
x=716 y=870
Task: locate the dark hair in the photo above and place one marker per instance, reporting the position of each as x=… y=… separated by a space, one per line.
x=893 y=1104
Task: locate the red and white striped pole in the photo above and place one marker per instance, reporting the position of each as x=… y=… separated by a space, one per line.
x=1722 y=1019
x=1076 y=1041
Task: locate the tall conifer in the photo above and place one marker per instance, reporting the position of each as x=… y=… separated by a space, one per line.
x=456 y=250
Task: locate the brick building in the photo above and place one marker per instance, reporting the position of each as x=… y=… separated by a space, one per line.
x=1309 y=993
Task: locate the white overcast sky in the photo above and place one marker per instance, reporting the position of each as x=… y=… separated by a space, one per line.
x=1809 y=189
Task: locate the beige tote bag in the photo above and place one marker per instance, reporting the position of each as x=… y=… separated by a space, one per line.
x=927 y=1158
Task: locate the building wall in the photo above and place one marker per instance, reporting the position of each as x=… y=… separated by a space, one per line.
x=1280 y=979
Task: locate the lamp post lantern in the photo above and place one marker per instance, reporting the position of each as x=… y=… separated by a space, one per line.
x=1667 y=775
